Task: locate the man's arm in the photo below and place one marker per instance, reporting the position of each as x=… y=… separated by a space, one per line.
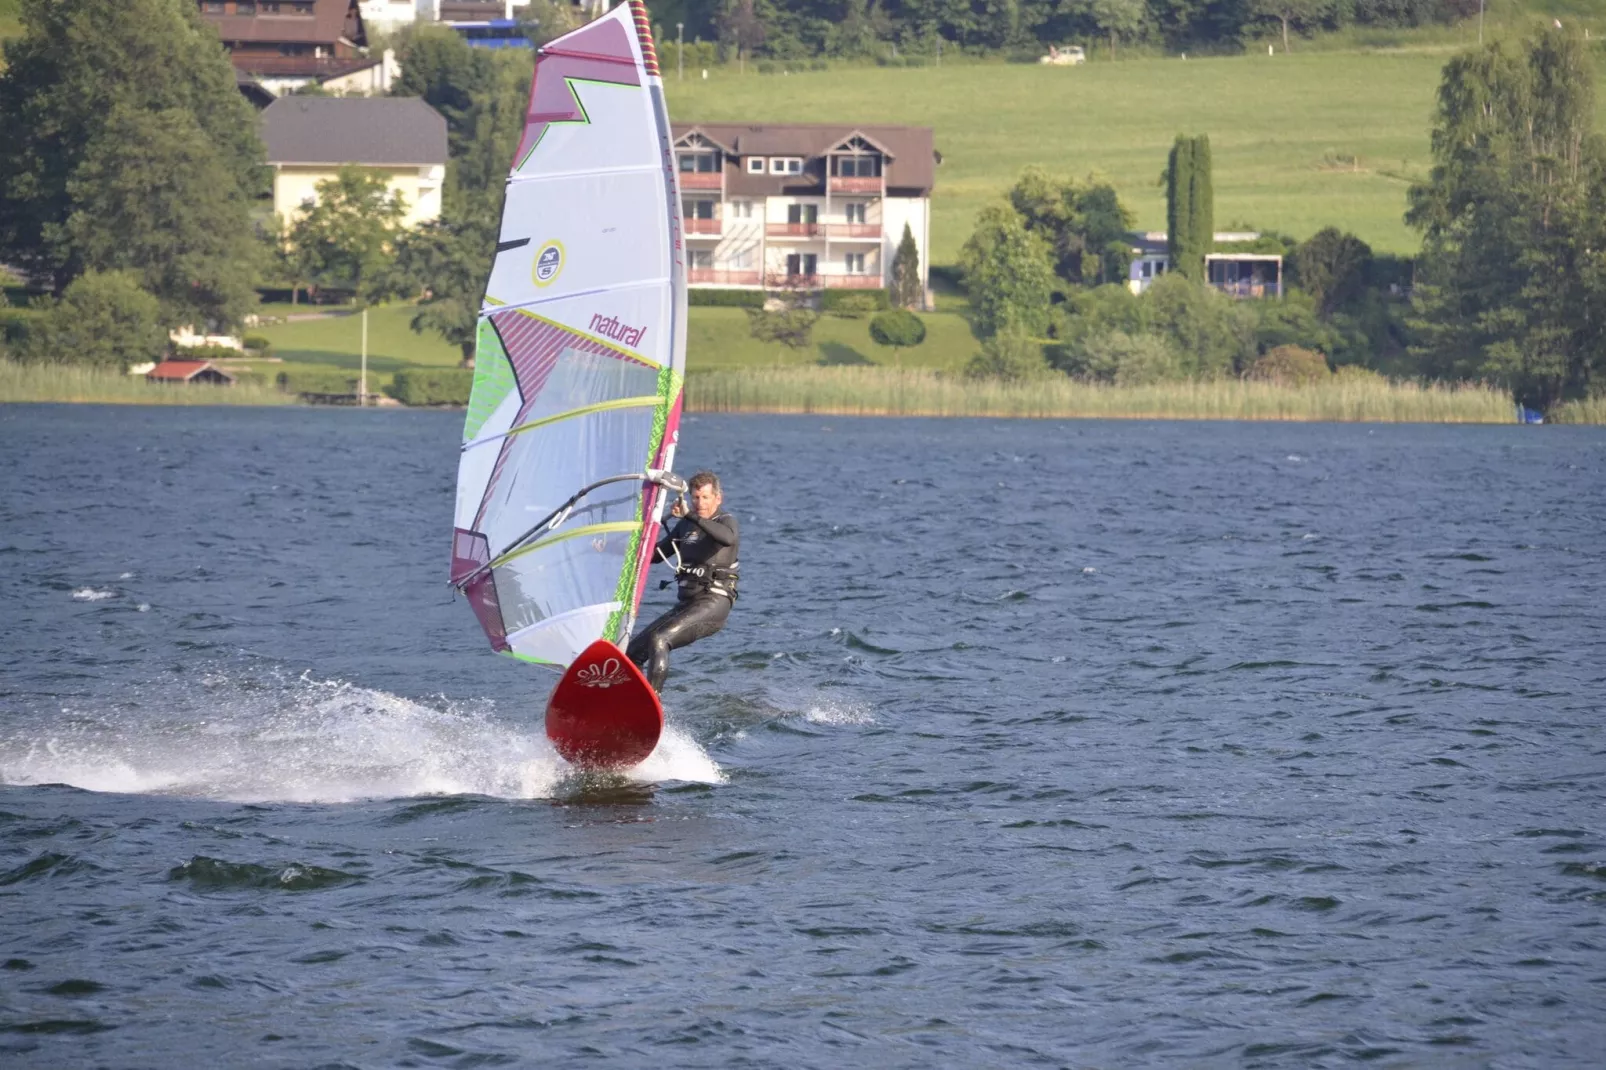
x=721 y=528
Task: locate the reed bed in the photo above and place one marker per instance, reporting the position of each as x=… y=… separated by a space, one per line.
x=69 y=383
x=859 y=391
x=1587 y=411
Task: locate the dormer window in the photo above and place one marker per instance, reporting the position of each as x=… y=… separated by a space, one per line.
x=786 y=165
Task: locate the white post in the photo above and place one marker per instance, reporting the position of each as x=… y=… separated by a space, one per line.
x=362 y=378
x=680 y=50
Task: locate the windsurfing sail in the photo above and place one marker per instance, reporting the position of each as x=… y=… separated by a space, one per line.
x=581 y=353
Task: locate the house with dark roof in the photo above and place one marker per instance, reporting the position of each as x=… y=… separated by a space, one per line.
x=803 y=206
x=281 y=45
x=308 y=140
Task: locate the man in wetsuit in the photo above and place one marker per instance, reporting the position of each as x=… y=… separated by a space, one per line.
x=701 y=547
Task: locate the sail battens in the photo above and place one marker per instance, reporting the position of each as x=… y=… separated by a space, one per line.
x=580 y=356
x=646 y=401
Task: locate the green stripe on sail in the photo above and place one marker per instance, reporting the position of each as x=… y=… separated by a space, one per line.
x=670 y=383
x=586 y=410
x=493 y=380
x=565 y=536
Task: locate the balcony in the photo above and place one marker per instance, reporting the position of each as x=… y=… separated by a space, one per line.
x=854 y=231
x=794 y=230
x=713 y=277
x=706 y=228
x=776 y=280
x=702 y=180
x=845 y=184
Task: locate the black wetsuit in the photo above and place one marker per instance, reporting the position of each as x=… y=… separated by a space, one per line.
x=704 y=552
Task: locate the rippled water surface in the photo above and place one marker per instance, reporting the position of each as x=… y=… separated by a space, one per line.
x=1029 y=744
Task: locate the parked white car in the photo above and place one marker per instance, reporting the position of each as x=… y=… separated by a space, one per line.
x=1069 y=56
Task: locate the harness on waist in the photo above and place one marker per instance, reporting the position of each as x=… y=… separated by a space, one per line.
x=711 y=578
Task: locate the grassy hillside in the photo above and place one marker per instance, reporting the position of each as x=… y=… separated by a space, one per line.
x=10 y=21
x=1299 y=141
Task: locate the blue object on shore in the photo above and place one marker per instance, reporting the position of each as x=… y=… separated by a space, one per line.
x=1529 y=416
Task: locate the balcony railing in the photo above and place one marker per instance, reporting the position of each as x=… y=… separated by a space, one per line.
x=701 y=180
x=855 y=184
x=794 y=230
x=269 y=65
x=713 y=227
x=781 y=281
x=712 y=277
x=854 y=230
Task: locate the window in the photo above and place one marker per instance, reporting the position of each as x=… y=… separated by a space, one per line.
x=802 y=213
x=855 y=262
x=702 y=163
x=755 y=165
x=854 y=212
x=741 y=209
x=743 y=261
x=699 y=209
x=1148 y=269
x=702 y=258
x=245 y=7
x=858 y=166
x=786 y=165
x=215 y=7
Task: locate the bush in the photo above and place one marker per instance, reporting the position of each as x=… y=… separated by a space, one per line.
x=1290 y=366
x=433 y=386
x=725 y=298
x=1010 y=356
x=103 y=318
x=258 y=344
x=851 y=304
x=318 y=381
x=898 y=328
x=1137 y=359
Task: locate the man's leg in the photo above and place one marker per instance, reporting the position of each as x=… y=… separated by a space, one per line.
x=688 y=622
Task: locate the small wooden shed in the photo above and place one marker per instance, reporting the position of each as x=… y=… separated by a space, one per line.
x=189 y=371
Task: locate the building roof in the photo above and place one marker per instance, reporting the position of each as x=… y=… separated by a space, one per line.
x=184 y=370
x=911 y=156
x=375 y=131
x=326 y=25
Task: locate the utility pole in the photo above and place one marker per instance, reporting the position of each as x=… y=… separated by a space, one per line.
x=362 y=377
x=680 y=50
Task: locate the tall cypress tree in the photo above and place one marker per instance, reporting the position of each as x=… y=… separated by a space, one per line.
x=1178 y=205
x=1203 y=209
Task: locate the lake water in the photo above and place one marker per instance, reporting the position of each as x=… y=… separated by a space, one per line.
x=1029 y=744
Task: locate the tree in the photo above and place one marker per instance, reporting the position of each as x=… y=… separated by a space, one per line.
x=899 y=329
x=345 y=238
x=1011 y=355
x=1117 y=18
x=1304 y=13
x=1510 y=283
x=1290 y=366
x=1190 y=206
x=443 y=265
x=1084 y=223
x=1331 y=266
x=907 y=291
x=85 y=78
x=740 y=26
x=105 y=319
x=792 y=327
x=1007 y=272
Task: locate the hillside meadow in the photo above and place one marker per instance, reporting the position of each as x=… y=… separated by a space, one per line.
x=1299 y=141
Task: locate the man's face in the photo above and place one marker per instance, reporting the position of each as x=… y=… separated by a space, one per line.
x=705 y=500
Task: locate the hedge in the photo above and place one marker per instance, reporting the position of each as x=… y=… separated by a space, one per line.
x=205 y=353
x=318 y=382
x=432 y=386
x=725 y=298
x=854 y=303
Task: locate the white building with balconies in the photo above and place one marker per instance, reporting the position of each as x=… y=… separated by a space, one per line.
x=802 y=206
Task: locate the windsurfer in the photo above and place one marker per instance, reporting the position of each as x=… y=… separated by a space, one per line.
x=702 y=549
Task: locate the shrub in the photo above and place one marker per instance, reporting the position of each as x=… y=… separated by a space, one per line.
x=258 y=344
x=103 y=318
x=898 y=328
x=204 y=353
x=1140 y=358
x=851 y=304
x=1010 y=356
x=433 y=386
x=1290 y=366
x=318 y=381
x=725 y=298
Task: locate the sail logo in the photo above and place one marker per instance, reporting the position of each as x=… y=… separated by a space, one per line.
x=612 y=327
x=548 y=263
x=607 y=674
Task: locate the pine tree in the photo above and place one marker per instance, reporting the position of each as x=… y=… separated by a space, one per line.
x=1202 y=194
x=1190 y=206
x=907 y=291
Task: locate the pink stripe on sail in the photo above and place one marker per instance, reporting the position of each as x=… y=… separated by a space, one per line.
x=598 y=52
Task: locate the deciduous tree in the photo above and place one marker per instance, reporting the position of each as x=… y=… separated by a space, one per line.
x=345 y=238
x=1007 y=272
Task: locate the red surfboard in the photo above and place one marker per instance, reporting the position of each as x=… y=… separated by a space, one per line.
x=603 y=714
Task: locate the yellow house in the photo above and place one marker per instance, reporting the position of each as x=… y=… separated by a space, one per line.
x=310 y=138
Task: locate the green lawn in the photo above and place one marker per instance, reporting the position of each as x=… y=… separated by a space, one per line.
x=719 y=338
x=1278 y=127
x=337 y=341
